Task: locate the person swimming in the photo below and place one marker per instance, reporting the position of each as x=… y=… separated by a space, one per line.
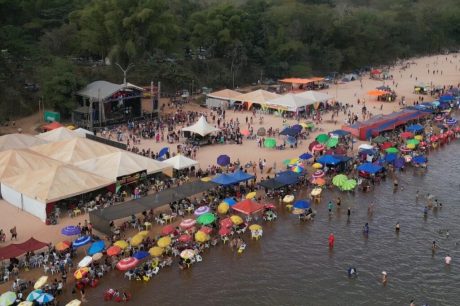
x=397 y=227
x=352 y=272
x=366 y=229
x=384 y=278
x=434 y=246
x=447 y=259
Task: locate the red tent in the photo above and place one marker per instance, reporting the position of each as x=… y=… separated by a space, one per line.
x=248 y=207
x=52 y=126
x=18 y=249
x=376 y=71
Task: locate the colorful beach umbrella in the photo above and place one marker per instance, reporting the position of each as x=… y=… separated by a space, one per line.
x=288 y=198
x=44 y=298
x=81 y=241
x=121 y=244
x=34 y=295
x=201 y=210
x=322 y=138
x=156 y=251
x=86 y=261
x=41 y=282
x=410 y=146
x=223 y=160
x=139 y=255
x=201 y=236
x=298 y=211
x=227 y=222
x=224 y=231
x=187 y=223
x=136 y=240
x=349 y=185
x=237 y=220
x=206 y=218
x=392 y=150
x=229 y=201
x=61 y=246
x=305 y=156
x=332 y=142
x=96 y=247
x=71 y=230
x=187 y=254
x=163 y=152
x=317 y=166
x=339 y=179
x=319 y=181
x=270 y=143
x=245 y=132
x=414 y=141
x=418 y=137
x=127 y=263
x=406 y=135
x=97 y=256
x=223 y=208
x=301 y=204
x=251 y=195
x=206 y=230
x=297 y=169
x=144 y=234
x=7 y=298
x=291 y=140
x=318 y=148
x=318 y=173
x=255 y=227
x=80 y=273
x=163 y=242
x=167 y=230
x=185 y=238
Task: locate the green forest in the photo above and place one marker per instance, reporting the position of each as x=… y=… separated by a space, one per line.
x=51 y=48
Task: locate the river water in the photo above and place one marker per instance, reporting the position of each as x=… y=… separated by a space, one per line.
x=292 y=264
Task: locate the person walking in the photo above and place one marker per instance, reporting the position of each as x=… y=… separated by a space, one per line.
x=330 y=205
x=14 y=233
x=331 y=240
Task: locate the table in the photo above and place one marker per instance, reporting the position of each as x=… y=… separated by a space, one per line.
x=76 y=212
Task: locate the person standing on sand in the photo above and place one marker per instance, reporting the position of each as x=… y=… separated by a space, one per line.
x=14 y=233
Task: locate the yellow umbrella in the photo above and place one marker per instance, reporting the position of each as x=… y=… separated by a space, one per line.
x=26 y=303
x=410 y=146
x=144 y=234
x=41 y=282
x=164 y=241
x=201 y=236
x=205 y=179
x=223 y=208
x=121 y=244
x=251 y=195
x=255 y=227
x=81 y=272
x=288 y=199
x=418 y=137
x=237 y=220
x=317 y=166
x=293 y=161
x=156 y=251
x=304 y=125
x=136 y=240
x=71 y=127
x=74 y=303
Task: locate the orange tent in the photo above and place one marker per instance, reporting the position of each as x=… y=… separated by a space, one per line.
x=300 y=80
x=52 y=126
x=247 y=207
x=376 y=92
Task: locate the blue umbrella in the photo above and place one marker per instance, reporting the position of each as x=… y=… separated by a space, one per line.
x=297 y=127
x=451 y=121
x=291 y=140
x=96 y=247
x=44 y=298
x=289 y=132
x=399 y=162
x=301 y=204
x=305 y=156
x=34 y=295
x=70 y=230
x=81 y=241
x=163 y=152
x=419 y=159
x=230 y=201
x=141 y=255
x=223 y=160
x=389 y=158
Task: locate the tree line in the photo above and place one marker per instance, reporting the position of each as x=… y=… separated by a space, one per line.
x=51 y=48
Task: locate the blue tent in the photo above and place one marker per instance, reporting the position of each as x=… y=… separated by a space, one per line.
x=328 y=160
x=96 y=247
x=287 y=179
x=301 y=204
x=289 y=132
x=163 y=152
x=341 y=158
x=446 y=98
x=305 y=156
x=229 y=201
x=340 y=133
x=224 y=179
x=368 y=152
x=288 y=172
x=420 y=159
x=241 y=176
x=389 y=158
x=369 y=168
x=414 y=128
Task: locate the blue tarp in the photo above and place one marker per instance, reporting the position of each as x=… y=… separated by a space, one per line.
x=419 y=159
x=289 y=132
x=241 y=176
x=389 y=158
x=414 y=128
x=328 y=160
x=301 y=204
x=340 y=133
x=287 y=178
x=370 y=168
x=224 y=180
x=446 y=98
x=342 y=158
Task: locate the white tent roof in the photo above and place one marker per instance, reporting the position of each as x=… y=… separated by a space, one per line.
x=259 y=96
x=289 y=102
x=314 y=96
x=82 y=132
x=180 y=162
x=201 y=127
x=58 y=134
x=114 y=165
x=55 y=183
x=19 y=141
x=225 y=94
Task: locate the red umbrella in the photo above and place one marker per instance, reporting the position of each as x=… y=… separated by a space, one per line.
x=340 y=151
x=224 y=231
x=270 y=206
x=167 y=230
x=318 y=147
x=329 y=152
x=185 y=238
x=113 y=250
x=386 y=145
x=406 y=135
x=457 y=129
x=206 y=229
x=434 y=138
x=127 y=263
x=450 y=132
x=187 y=223
x=311 y=145
x=318 y=174
x=227 y=222
x=245 y=132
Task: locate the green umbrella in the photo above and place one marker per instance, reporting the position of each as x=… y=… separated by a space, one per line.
x=415 y=142
x=7 y=298
x=206 y=218
x=322 y=138
x=392 y=150
x=332 y=142
x=339 y=179
x=349 y=185
x=379 y=139
x=310 y=125
x=270 y=143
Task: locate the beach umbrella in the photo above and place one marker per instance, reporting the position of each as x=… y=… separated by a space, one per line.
x=127 y=263
x=332 y=142
x=298 y=211
x=34 y=295
x=291 y=140
x=96 y=247
x=223 y=160
x=297 y=127
x=245 y=132
x=418 y=137
x=156 y=251
x=414 y=141
x=224 y=231
x=97 y=256
x=255 y=227
x=70 y=230
x=201 y=236
x=406 y=135
x=121 y=244
x=223 y=208
x=229 y=201
x=318 y=147
x=288 y=198
x=113 y=250
x=206 y=218
x=270 y=143
x=86 y=261
x=227 y=222
x=7 y=298
x=167 y=230
x=392 y=150
x=318 y=173
x=289 y=132
x=251 y=195
x=44 y=298
x=420 y=159
x=322 y=138
x=187 y=254
x=379 y=139
x=297 y=169
x=74 y=303
x=386 y=145
x=410 y=146
x=206 y=230
x=139 y=255
x=261 y=132
x=376 y=92
x=41 y=282
x=187 y=223
x=305 y=156
x=339 y=179
x=301 y=204
x=319 y=181
x=163 y=152
x=81 y=272
x=292 y=161
x=308 y=125
x=136 y=240
x=399 y=162
x=349 y=185
x=237 y=220
x=451 y=121
x=206 y=179
x=312 y=145
x=63 y=245
x=202 y=210
x=164 y=241
x=269 y=206
x=81 y=241
x=185 y=238
x=26 y=303
x=144 y=234
x=316 y=191
x=317 y=166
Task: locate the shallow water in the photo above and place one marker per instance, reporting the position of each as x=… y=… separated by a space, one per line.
x=292 y=264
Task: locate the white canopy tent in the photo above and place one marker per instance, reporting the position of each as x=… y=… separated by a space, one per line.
x=314 y=96
x=259 y=96
x=289 y=102
x=82 y=132
x=222 y=98
x=201 y=127
x=180 y=162
x=58 y=134
x=19 y=141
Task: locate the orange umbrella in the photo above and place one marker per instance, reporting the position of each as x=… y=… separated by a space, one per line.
x=80 y=273
x=61 y=246
x=113 y=250
x=319 y=181
x=376 y=92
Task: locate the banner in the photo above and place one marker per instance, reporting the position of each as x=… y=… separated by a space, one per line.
x=131 y=178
